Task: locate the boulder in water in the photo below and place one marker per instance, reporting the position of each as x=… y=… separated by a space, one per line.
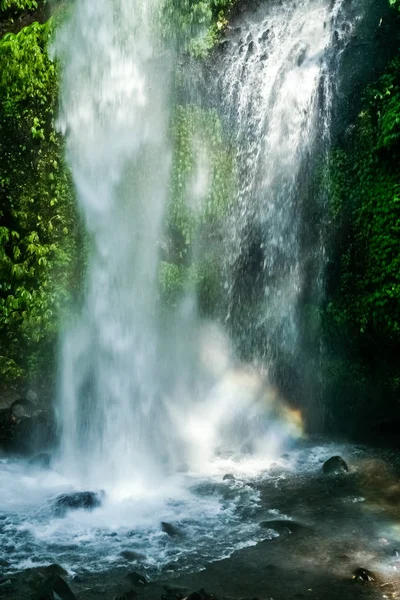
x=54 y=584
x=76 y=501
x=335 y=465
x=137 y=578
x=53 y=569
x=282 y=526
x=170 y=530
x=363 y=575
x=228 y=477
x=131 y=555
x=201 y=595
x=131 y=595
x=22 y=409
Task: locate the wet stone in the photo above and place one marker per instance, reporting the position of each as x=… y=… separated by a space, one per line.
x=282 y=526
x=53 y=569
x=54 y=584
x=228 y=477
x=335 y=465
x=131 y=595
x=131 y=555
x=137 y=578
x=174 y=592
x=363 y=575
x=76 y=501
x=170 y=530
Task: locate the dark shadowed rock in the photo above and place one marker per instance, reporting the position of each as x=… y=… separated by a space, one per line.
x=170 y=530
x=53 y=569
x=175 y=592
x=282 y=526
x=76 y=501
x=228 y=477
x=363 y=575
x=22 y=408
x=335 y=464
x=54 y=584
x=131 y=595
x=201 y=595
x=131 y=555
x=137 y=579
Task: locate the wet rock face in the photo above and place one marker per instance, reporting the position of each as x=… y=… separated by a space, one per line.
x=170 y=530
x=283 y=526
x=137 y=579
x=76 y=501
x=364 y=575
x=26 y=427
x=335 y=465
x=54 y=584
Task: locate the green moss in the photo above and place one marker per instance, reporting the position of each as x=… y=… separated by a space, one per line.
x=202 y=190
x=18 y=5
x=362 y=319
x=196 y=24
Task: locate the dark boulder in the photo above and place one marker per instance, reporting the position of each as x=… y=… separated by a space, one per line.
x=54 y=584
x=201 y=595
x=363 y=575
x=228 y=477
x=76 y=501
x=137 y=579
x=22 y=408
x=131 y=595
x=170 y=530
x=335 y=465
x=282 y=526
x=131 y=555
x=175 y=592
x=51 y=570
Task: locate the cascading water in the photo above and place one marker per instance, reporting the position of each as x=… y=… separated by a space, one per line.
x=276 y=84
x=135 y=403
x=115 y=114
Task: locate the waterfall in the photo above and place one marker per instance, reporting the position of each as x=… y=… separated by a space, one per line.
x=136 y=400
x=115 y=115
x=276 y=83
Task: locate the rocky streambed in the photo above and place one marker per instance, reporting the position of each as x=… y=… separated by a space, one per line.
x=296 y=529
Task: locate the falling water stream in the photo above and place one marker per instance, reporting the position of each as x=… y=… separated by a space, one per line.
x=128 y=407
x=155 y=416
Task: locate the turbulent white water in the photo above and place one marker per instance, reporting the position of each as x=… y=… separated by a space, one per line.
x=138 y=399
x=277 y=80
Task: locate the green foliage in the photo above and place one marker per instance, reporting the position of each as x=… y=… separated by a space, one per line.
x=38 y=220
x=6 y=5
x=196 y=23
x=202 y=182
x=201 y=192
x=362 y=319
x=365 y=193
